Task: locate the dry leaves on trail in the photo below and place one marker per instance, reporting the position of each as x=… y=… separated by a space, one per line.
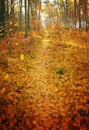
x=44 y=83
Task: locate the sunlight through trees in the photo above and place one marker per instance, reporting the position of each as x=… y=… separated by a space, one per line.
x=36 y=14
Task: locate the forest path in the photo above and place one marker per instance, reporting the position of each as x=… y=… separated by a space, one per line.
x=44 y=86
x=56 y=90
x=47 y=87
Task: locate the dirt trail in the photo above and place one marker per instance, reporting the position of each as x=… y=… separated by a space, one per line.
x=49 y=90
x=44 y=87
x=55 y=95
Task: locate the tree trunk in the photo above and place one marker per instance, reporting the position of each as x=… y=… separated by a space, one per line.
x=20 y=14
x=7 y=11
x=26 y=19
x=75 y=18
x=66 y=16
x=86 y=14
x=79 y=9
x=28 y=15
x=12 y=10
x=2 y=18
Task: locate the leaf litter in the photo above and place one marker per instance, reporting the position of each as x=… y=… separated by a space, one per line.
x=44 y=83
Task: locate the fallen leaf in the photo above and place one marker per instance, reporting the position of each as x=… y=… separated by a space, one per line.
x=3 y=90
x=6 y=76
x=17 y=44
x=22 y=56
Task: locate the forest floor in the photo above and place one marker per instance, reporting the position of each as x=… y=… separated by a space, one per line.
x=44 y=81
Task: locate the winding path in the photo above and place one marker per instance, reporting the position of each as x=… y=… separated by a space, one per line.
x=55 y=98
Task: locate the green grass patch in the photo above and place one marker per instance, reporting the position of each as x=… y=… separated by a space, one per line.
x=60 y=71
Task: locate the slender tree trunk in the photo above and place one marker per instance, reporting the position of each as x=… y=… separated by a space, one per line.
x=33 y=14
x=20 y=14
x=66 y=13
x=12 y=10
x=7 y=11
x=39 y=16
x=28 y=15
x=2 y=18
x=75 y=18
x=79 y=8
x=26 y=19
x=86 y=14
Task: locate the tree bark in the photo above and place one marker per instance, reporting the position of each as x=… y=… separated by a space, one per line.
x=20 y=14
x=86 y=14
x=26 y=19
x=12 y=9
x=79 y=9
x=75 y=18
x=2 y=18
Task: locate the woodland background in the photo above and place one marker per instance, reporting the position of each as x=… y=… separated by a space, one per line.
x=44 y=64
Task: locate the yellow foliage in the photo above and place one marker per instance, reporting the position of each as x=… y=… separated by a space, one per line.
x=16 y=24
x=22 y=56
x=17 y=44
x=6 y=76
x=3 y=90
x=1 y=34
x=10 y=22
x=11 y=29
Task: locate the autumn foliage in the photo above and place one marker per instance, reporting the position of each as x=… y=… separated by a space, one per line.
x=44 y=81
